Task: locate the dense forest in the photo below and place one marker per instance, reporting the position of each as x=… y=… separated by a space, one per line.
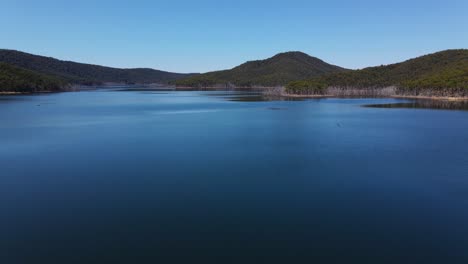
x=276 y=71
x=80 y=73
x=14 y=79
x=440 y=74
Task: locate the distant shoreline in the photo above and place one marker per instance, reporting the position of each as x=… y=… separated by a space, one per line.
x=10 y=93
x=268 y=91
x=4 y=93
x=280 y=92
x=444 y=98
x=387 y=92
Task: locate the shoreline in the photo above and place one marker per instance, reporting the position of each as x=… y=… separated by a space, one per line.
x=266 y=90
x=11 y=93
x=279 y=92
x=421 y=97
x=415 y=97
x=310 y=96
x=28 y=93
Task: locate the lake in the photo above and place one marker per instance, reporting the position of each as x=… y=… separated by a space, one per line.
x=143 y=176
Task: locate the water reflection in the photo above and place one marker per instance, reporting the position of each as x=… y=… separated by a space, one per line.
x=12 y=98
x=426 y=104
x=253 y=96
x=141 y=89
x=233 y=95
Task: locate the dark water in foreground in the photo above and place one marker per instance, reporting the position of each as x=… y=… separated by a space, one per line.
x=208 y=177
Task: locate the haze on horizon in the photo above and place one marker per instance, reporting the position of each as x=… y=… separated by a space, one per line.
x=206 y=35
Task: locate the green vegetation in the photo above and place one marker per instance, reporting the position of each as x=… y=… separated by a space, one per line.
x=14 y=79
x=275 y=71
x=86 y=74
x=442 y=73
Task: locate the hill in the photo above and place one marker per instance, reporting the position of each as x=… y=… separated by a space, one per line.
x=443 y=73
x=14 y=79
x=80 y=73
x=275 y=71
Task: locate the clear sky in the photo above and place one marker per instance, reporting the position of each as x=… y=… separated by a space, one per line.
x=205 y=35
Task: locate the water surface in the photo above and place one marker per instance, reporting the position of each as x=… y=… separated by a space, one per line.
x=197 y=177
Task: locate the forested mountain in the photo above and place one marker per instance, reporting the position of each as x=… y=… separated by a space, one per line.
x=441 y=73
x=80 y=73
x=14 y=79
x=275 y=71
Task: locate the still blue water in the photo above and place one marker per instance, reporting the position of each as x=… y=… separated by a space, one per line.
x=198 y=177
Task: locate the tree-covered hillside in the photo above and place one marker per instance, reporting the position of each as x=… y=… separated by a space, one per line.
x=14 y=79
x=442 y=73
x=81 y=73
x=275 y=71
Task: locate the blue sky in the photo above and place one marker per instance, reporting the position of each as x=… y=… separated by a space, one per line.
x=205 y=35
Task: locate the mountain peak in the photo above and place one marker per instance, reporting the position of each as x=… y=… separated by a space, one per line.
x=292 y=54
x=275 y=71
